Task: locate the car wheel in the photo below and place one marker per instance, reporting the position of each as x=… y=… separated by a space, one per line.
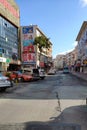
x=2 y=89
x=22 y=79
x=42 y=77
x=16 y=80
x=12 y=82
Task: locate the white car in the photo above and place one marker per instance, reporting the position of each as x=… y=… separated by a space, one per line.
x=4 y=82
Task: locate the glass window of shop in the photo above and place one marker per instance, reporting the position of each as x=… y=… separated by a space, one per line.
x=8 y=38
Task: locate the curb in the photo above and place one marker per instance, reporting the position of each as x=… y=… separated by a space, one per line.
x=79 y=76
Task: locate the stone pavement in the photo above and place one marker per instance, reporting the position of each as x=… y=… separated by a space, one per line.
x=80 y=75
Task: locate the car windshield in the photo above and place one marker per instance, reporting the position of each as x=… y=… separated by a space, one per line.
x=66 y=68
x=35 y=71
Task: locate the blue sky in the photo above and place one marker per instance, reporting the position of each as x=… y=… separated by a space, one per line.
x=59 y=20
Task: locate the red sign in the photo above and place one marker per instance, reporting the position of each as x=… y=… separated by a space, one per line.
x=29 y=57
x=28 y=49
x=25 y=49
x=24 y=56
x=41 y=64
x=31 y=48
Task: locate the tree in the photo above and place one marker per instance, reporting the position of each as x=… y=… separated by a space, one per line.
x=42 y=42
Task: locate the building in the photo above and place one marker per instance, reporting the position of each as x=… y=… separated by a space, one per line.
x=60 y=61
x=82 y=48
x=30 y=52
x=9 y=31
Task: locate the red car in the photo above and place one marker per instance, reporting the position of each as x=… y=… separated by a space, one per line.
x=17 y=76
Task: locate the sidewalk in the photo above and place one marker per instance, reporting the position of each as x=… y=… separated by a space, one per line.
x=80 y=75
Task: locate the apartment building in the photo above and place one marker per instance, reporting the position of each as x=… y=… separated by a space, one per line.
x=82 y=47
x=9 y=24
x=30 y=52
x=60 y=61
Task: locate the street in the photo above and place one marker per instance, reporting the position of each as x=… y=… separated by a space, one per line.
x=56 y=103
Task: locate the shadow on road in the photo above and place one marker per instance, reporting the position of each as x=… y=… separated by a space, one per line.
x=71 y=118
x=52 y=88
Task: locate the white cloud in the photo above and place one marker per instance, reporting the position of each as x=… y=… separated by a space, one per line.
x=83 y=3
x=75 y=43
x=67 y=51
x=63 y=53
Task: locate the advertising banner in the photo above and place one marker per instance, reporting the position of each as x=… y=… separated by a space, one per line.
x=27 y=42
x=29 y=57
x=28 y=47
x=27 y=29
x=24 y=57
x=25 y=49
x=42 y=64
x=28 y=36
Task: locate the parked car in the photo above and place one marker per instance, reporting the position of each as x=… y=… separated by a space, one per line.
x=5 y=82
x=42 y=73
x=34 y=72
x=17 y=76
x=65 y=70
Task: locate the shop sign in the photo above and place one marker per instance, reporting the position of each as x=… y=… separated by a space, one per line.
x=29 y=57
x=28 y=49
x=41 y=64
x=2 y=59
x=8 y=60
x=84 y=61
x=29 y=63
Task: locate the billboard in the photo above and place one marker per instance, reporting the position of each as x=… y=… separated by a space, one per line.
x=28 y=57
x=27 y=29
x=27 y=43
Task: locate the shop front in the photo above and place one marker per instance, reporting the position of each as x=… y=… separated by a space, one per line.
x=2 y=64
x=85 y=66
x=78 y=65
x=13 y=65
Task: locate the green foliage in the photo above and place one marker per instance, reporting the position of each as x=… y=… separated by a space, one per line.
x=42 y=42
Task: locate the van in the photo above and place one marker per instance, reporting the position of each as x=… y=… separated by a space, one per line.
x=65 y=70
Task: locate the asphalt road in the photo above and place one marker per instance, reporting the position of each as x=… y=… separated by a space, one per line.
x=56 y=103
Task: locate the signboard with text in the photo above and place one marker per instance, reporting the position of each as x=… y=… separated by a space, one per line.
x=27 y=43
x=29 y=57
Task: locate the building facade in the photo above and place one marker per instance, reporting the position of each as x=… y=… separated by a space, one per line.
x=30 y=52
x=9 y=32
x=82 y=48
x=60 y=61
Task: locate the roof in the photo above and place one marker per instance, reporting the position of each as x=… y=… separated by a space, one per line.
x=84 y=25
